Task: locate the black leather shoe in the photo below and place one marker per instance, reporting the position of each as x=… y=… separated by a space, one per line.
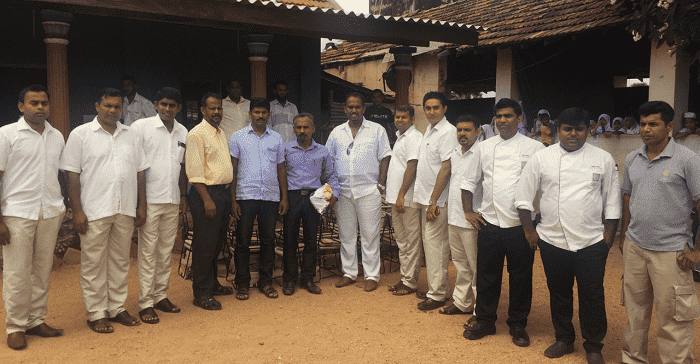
x=310 y=286
x=520 y=336
x=559 y=349
x=288 y=288
x=595 y=358
x=479 y=330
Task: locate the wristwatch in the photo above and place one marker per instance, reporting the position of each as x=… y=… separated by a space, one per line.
x=382 y=188
x=432 y=203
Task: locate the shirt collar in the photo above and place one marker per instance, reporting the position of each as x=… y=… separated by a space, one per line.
x=95 y=126
x=158 y=123
x=295 y=145
x=407 y=132
x=228 y=98
x=471 y=149
x=209 y=127
x=137 y=98
x=440 y=124
x=517 y=135
x=564 y=151
x=249 y=129
x=364 y=124
x=667 y=152
x=23 y=125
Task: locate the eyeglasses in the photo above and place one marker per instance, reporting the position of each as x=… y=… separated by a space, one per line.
x=350 y=147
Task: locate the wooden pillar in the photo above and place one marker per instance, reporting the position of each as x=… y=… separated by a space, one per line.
x=56 y=25
x=506 y=78
x=257 y=55
x=402 y=67
x=669 y=80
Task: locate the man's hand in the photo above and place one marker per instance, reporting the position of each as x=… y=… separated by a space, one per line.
x=183 y=205
x=140 y=216
x=331 y=203
x=688 y=260
x=209 y=208
x=80 y=222
x=4 y=234
x=235 y=210
x=433 y=213
x=532 y=239
x=621 y=242
x=399 y=204
x=284 y=207
x=475 y=219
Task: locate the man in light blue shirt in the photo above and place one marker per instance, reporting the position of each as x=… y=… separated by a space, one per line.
x=258 y=190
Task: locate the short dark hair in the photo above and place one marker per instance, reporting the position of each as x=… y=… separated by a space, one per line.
x=505 y=103
x=467 y=118
x=203 y=101
x=169 y=93
x=437 y=96
x=128 y=78
x=304 y=115
x=280 y=82
x=407 y=108
x=31 y=88
x=657 y=107
x=574 y=116
x=232 y=81
x=259 y=102
x=355 y=94
x=109 y=92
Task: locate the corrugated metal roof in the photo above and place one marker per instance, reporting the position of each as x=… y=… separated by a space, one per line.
x=331 y=4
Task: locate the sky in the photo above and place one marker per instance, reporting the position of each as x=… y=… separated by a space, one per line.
x=358 y=6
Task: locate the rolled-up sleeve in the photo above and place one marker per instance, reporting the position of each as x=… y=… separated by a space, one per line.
x=527 y=186
x=194 y=159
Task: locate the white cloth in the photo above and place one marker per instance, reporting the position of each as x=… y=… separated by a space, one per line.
x=577 y=189
x=366 y=211
x=405 y=150
x=104 y=264
x=140 y=108
x=156 y=241
x=460 y=162
x=357 y=160
x=236 y=116
x=436 y=147
x=487 y=132
x=165 y=153
x=437 y=253
x=408 y=233
x=27 y=263
x=500 y=163
x=463 y=249
x=282 y=119
x=107 y=165
x=30 y=164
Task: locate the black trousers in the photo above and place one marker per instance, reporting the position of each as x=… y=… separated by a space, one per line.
x=588 y=267
x=495 y=244
x=208 y=238
x=266 y=214
x=300 y=211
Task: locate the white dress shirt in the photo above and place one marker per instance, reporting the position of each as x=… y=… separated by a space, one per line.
x=460 y=162
x=236 y=116
x=357 y=160
x=29 y=162
x=577 y=188
x=165 y=153
x=140 y=108
x=500 y=163
x=436 y=147
x=108 y=165
x=282 y=119
x=405 y=150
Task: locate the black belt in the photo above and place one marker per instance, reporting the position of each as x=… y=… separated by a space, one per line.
x=302 y=192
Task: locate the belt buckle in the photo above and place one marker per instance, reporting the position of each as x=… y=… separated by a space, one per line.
x=304 y=192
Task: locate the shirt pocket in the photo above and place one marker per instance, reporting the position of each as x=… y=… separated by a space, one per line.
x=271 y=154
x=686 y=303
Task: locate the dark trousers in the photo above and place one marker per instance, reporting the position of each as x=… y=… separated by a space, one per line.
x=266 y=213
x=300 y=210
x=495 y=244
x=588 y=267
x=208 y=238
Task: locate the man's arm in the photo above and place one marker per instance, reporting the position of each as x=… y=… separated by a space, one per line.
x=383 y=168
x=687 y=261
x=235 y=208
x=209 y=205
x=610 y=227
x=441 y=181
x=80 y=221
x=282 y=179
x=530 y=232
x=409 y=176
x=4 y=231
x=625 y=219
x=141 y=206
x=473 y=217
x=182 y=183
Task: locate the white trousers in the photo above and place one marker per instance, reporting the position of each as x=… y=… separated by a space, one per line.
x=365 y=211
x=156 y=241
x=27 y=262
x=407 y=229
x=463 y=247
x=437 y=253
x=104 y=264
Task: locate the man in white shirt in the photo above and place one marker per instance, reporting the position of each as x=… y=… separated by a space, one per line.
x=283 y=112
x=163 y=141
x=580 y=188
x=31 y=214
x=361 y=151
x=431 y=190
x=462 y=235
x=405 y=214
x=236 y=110
x=135 y=106
x=106 y=180
x=500 y=162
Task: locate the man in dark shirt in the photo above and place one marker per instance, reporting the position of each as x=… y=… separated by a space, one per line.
x=381 y=115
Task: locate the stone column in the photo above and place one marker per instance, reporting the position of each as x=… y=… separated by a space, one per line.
x=506 y=79
x=257 y=55
x=56 y=25
x=402 y=67
x=669 y=80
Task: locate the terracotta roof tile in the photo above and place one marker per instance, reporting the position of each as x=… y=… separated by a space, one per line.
x=313 y=3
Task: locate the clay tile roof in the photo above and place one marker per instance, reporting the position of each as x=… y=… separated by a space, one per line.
x=330 y=4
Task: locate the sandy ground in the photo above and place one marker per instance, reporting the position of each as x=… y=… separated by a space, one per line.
x=345 y=325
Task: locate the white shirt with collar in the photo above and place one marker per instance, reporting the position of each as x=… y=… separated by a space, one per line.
x=165 y=152
x=236 y=116
x=577 y=189
x=460 y=162
x=500 y=163
x=358 y=160
x=436 y=146
x=108 y=164
x=29 y=162
x=405 y=150
x=282 y=119
x=140 y=108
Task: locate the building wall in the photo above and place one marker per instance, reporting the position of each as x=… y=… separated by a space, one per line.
x=425 y=79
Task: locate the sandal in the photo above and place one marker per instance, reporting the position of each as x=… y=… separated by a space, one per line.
x=242 y=293
x=166 y=306
x=269 y=291
x=210 y=304
x=149 y=316
x=222 y=291
x=404 y=290
x=100 y=326
x=125 y=319
x=395 y=287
